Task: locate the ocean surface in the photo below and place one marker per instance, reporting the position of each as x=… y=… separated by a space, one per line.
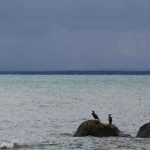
x=44 y=111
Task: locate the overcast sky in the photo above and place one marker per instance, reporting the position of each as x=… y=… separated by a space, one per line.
x=74 y=35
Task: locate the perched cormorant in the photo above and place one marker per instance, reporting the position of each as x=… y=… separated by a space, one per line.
x=95 y=116
x=110 y=119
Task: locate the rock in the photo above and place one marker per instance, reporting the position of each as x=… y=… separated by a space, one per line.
x=144 y=131
x=95 y=128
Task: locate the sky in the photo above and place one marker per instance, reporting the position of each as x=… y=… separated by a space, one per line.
x=46 y=35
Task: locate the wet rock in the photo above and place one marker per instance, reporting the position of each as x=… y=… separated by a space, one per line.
x=144 y=131
x=95 y=128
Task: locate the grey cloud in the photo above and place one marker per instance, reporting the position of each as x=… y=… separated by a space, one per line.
x=74 y=34
x=31 y=18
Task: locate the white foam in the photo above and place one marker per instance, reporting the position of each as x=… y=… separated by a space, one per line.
x=9 y=145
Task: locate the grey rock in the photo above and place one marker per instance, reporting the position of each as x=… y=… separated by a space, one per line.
x=144 y=131
x=97 y=129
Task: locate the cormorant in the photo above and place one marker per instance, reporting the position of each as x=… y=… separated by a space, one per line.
x=95 y=116
x=110 y=119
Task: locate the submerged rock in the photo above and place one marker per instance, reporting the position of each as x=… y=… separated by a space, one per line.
x=144 y=131
x=95 y=128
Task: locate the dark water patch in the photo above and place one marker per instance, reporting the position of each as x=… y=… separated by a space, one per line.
x=67 y=134
x=42 y=145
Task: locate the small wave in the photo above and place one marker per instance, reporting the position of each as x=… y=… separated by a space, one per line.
x=9 y=145
x=16 y=144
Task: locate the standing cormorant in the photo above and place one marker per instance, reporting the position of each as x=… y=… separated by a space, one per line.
x=110 y=119
x=95 y=116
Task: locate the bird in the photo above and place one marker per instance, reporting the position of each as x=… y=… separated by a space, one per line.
x=110 y=119
x=95 y=116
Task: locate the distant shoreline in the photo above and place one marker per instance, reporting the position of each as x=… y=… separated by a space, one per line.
x=74 y=72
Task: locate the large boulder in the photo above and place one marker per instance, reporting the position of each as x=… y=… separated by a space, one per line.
x=95 y=128
x=144 y=131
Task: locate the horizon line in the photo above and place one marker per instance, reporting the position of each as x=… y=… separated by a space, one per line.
x=77 y=72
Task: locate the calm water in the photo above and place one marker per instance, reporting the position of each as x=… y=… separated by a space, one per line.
x=44 y=111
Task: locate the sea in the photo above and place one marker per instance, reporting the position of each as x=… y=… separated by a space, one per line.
x=42 y=111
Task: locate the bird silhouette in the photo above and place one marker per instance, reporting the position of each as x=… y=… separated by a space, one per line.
x=95 y=116
x=110 y=119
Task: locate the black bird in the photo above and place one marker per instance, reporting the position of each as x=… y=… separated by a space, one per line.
x=110 y=119
x=95 y=116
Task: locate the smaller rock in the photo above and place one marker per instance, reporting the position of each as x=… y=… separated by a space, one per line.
x=95 y=128
x=144 y=131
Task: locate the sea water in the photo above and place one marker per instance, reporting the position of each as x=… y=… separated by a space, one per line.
x=44 y=111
